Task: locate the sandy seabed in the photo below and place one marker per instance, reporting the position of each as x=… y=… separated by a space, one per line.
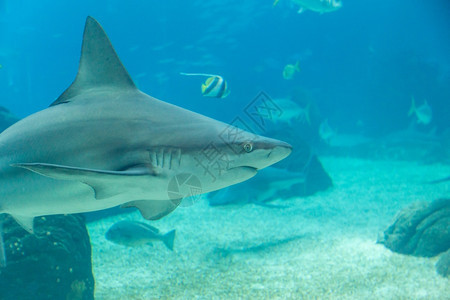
x=320 y=247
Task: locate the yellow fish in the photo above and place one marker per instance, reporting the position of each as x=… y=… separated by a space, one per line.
x=215 y=86
x=289 y=70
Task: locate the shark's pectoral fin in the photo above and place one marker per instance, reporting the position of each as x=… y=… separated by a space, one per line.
x=105 y=183
x=154 y=209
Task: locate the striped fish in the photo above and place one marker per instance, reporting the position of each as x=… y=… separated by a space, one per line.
x=215 y=86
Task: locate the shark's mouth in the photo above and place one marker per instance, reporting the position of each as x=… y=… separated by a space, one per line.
x=252 y=169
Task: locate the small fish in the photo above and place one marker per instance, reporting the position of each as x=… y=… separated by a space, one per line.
x=289 y=70
x=423 y=113
x=325 y=131
x=131 y=233
x=320 y=6
x=215 y=86
x=292 y=112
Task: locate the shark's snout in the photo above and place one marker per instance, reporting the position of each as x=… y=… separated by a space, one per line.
x=265 y=152
x=280 y=151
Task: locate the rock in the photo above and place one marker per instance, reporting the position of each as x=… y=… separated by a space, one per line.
x=52 y=263
x=420 y=230
x=316 y=179
x=443 y=265
x=303 y=159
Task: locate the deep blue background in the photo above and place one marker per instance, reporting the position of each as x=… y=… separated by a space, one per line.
x=360 y=63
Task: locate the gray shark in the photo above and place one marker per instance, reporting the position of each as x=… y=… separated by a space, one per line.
x=105 y=143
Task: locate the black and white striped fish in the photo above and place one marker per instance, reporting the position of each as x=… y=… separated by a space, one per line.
x=215 y=86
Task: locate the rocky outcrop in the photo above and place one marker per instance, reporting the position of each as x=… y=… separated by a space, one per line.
x=52 y=263
x=421 y=230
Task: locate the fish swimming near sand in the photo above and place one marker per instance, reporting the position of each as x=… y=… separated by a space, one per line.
x=131 y=233
x=423 y=113
x=326 y=133
x=104 y=143
x=290 y=70
x=215 y=86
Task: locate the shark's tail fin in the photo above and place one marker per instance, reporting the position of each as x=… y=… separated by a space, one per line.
x=168 y=239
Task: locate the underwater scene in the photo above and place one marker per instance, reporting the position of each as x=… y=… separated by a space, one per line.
x=224 y=149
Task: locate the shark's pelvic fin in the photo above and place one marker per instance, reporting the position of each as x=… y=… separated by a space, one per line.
x=105 y=184
x=99 y=65
x=154 y=209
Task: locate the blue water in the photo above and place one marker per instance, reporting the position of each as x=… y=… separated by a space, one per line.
x=360 y=64
x=359 y=68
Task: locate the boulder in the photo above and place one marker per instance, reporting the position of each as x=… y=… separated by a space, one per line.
x=423 y=229
x=52 y=263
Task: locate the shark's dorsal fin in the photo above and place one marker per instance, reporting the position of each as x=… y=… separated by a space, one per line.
x=99 y=64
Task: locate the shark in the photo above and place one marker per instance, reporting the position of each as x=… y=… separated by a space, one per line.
x=104 y=143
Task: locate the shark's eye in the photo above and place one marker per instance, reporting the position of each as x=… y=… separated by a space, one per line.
x=248 y=147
